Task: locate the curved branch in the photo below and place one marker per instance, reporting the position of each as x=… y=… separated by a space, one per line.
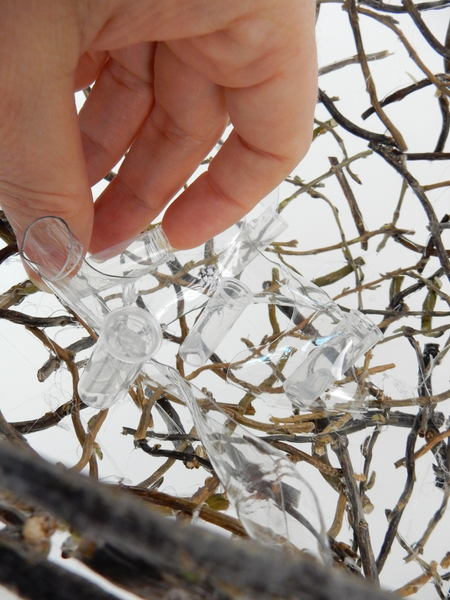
x=365 y=134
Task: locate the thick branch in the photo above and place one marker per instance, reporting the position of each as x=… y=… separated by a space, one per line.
x=196 y=553
x=37 y=579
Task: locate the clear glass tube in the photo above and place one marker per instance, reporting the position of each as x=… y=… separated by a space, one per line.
x=195 y=274
x=219 y=315
x=253 y=238
x=276 y=505
x=128 y=338
x=134 y=257
x=50 y=248
x=332 y=357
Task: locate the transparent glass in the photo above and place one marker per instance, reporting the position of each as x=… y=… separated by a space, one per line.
x=134 y=257
x=252 y=239
x=187 y=282
x=128 y=338
x=331 y=358
x=50 y=249
x=218 y=317
x=275 y=504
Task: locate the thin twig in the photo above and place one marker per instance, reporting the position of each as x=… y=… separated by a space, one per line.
x=359 y=523
x=397 y=513
x=370 y=85
x=352 y=60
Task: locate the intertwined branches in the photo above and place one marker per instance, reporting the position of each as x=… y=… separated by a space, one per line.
x=343 y=448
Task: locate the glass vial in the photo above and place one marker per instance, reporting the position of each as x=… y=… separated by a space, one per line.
x=218 y=317
x=135 y=257
x=330 y=360
x=50 y=249
x=129 y=337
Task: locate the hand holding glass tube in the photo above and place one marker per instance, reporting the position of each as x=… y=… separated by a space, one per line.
x=56 y=255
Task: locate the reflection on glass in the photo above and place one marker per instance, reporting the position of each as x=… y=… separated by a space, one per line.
x=50 y=248
x=129 y=337
x=218 y=317
x=332 y=357
x=275 y=504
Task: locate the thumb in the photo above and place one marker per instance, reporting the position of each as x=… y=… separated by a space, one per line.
x=42 y=167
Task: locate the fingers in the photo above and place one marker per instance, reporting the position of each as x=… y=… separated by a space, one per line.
x=258 y=67
x=42 y=168
x=272 y=132
x=88 y=69
x=119 y=102
x=265 y=73
x=239 y=179
x=188 y=118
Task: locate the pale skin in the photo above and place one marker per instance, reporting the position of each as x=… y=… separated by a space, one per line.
x=168 y=75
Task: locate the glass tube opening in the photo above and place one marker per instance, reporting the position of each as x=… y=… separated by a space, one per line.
x=235 y=293
x=51 y=249
x=131 y=334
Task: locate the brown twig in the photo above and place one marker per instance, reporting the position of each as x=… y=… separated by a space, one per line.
x=422 y=451
x=27 y=320
x=359 y=523
x=397 y=513
x=370 y=85
x=391 y=24
x=189 y=507
x=94 y=426
x=352 y=60
x=394 y=159
x=396 y=9
x=422 y=27
x=348 y=125
x=354 y=208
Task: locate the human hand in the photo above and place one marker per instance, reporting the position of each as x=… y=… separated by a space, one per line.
x=168 y=76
